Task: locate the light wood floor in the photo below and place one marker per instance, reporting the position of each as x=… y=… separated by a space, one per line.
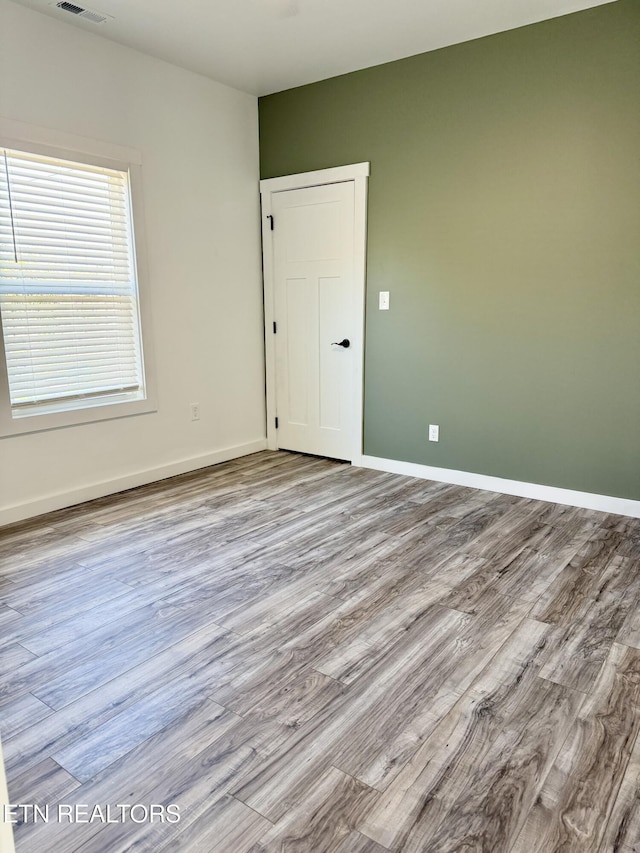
x=309 y=657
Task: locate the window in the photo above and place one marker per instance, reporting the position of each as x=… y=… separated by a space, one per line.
x=69 y=303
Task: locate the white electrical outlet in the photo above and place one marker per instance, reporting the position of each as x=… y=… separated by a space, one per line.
x=195 y=411
x=383 y=300
x=434 y=432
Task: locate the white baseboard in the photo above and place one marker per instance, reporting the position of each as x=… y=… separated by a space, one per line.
x=586 y=500
x=120 y=484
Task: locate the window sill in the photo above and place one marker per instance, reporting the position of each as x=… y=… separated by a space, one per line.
x=92 y=412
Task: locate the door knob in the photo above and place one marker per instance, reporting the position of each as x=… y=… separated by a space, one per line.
x=346 y=343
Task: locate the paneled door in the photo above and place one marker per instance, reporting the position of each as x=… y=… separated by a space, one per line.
x=316 y=319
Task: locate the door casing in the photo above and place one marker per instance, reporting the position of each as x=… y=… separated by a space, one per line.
x=359 y=174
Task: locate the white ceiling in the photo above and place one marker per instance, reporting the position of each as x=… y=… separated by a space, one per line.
x=264 y=46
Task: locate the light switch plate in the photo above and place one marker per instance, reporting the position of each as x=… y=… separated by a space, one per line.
x=383 y=300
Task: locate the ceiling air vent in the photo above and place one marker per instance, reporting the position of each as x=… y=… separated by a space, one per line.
x=93 y=16
x=81 y=12
x=69 y=7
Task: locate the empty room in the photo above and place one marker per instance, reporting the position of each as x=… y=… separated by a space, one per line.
x=320 y=426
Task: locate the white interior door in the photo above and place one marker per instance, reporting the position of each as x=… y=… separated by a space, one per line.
x=316 y=315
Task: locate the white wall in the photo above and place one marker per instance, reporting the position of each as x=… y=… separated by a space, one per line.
x=199 y=144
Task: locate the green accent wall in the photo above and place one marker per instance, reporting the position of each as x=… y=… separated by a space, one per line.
x=504 y=219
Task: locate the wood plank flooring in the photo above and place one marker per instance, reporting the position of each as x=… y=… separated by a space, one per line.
x=305 y=656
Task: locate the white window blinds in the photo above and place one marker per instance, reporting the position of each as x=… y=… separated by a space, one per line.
x=68 y=291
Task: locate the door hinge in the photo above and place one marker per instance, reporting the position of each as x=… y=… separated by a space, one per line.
x=276 y=423
x=270 y=218
x=274 y=327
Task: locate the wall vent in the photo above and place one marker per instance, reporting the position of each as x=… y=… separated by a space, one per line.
x=81 y=12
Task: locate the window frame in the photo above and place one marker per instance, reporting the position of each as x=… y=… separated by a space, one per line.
x=30 y=139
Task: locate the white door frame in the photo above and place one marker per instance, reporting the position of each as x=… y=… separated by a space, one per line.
x=359 y=174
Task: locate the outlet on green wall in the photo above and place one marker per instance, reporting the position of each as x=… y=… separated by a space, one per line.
x=504 y=219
